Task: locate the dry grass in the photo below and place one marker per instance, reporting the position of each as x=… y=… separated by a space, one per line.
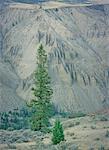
x=78 y=135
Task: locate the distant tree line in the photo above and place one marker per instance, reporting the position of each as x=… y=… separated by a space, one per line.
x=15 y=120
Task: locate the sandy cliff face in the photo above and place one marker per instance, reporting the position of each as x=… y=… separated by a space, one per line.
x=76 y=40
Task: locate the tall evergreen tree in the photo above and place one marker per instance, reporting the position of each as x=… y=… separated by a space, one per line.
x=42 y=93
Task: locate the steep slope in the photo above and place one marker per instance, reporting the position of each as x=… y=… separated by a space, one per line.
x=8 y=85
x=76 y=40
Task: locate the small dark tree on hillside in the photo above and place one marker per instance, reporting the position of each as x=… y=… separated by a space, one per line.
x=4 y=124
x=42 y=93
x=58 y=134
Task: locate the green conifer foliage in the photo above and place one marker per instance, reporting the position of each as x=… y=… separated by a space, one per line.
x=58 y=134
x=42 y=93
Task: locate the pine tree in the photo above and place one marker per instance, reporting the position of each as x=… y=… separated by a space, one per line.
x=42 y=93
x=4 y=121
x=58 y=134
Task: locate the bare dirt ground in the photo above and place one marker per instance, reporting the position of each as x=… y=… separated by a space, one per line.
x=85 y=132
x=46 y=5
x=89 y=133
x=55 y=4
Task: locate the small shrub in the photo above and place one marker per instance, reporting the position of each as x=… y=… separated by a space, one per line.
x=93 y=127
x=11 y=146
x=71 y=124
x=56 y=9
x=77 y=123
x=97 y=139
x=77 y=115
x=103 y=118
x=74 y=147
x=10 y=129
x=70 y=133
x=46 y=130
x=107 y=134
x=105 y=127
x=101 y=147
x=13 y=24
x=72 y=115
x=68 y=124
x=62 y=146
x=91 y=148
x=58 y=134
x=62 y=113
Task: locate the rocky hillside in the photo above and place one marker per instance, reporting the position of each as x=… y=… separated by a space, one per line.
x=76 y=40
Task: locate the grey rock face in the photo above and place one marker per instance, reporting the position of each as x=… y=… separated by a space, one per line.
x=76 y=40
x=9 y=82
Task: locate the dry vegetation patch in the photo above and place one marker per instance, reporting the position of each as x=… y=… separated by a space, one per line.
x=77 y=136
